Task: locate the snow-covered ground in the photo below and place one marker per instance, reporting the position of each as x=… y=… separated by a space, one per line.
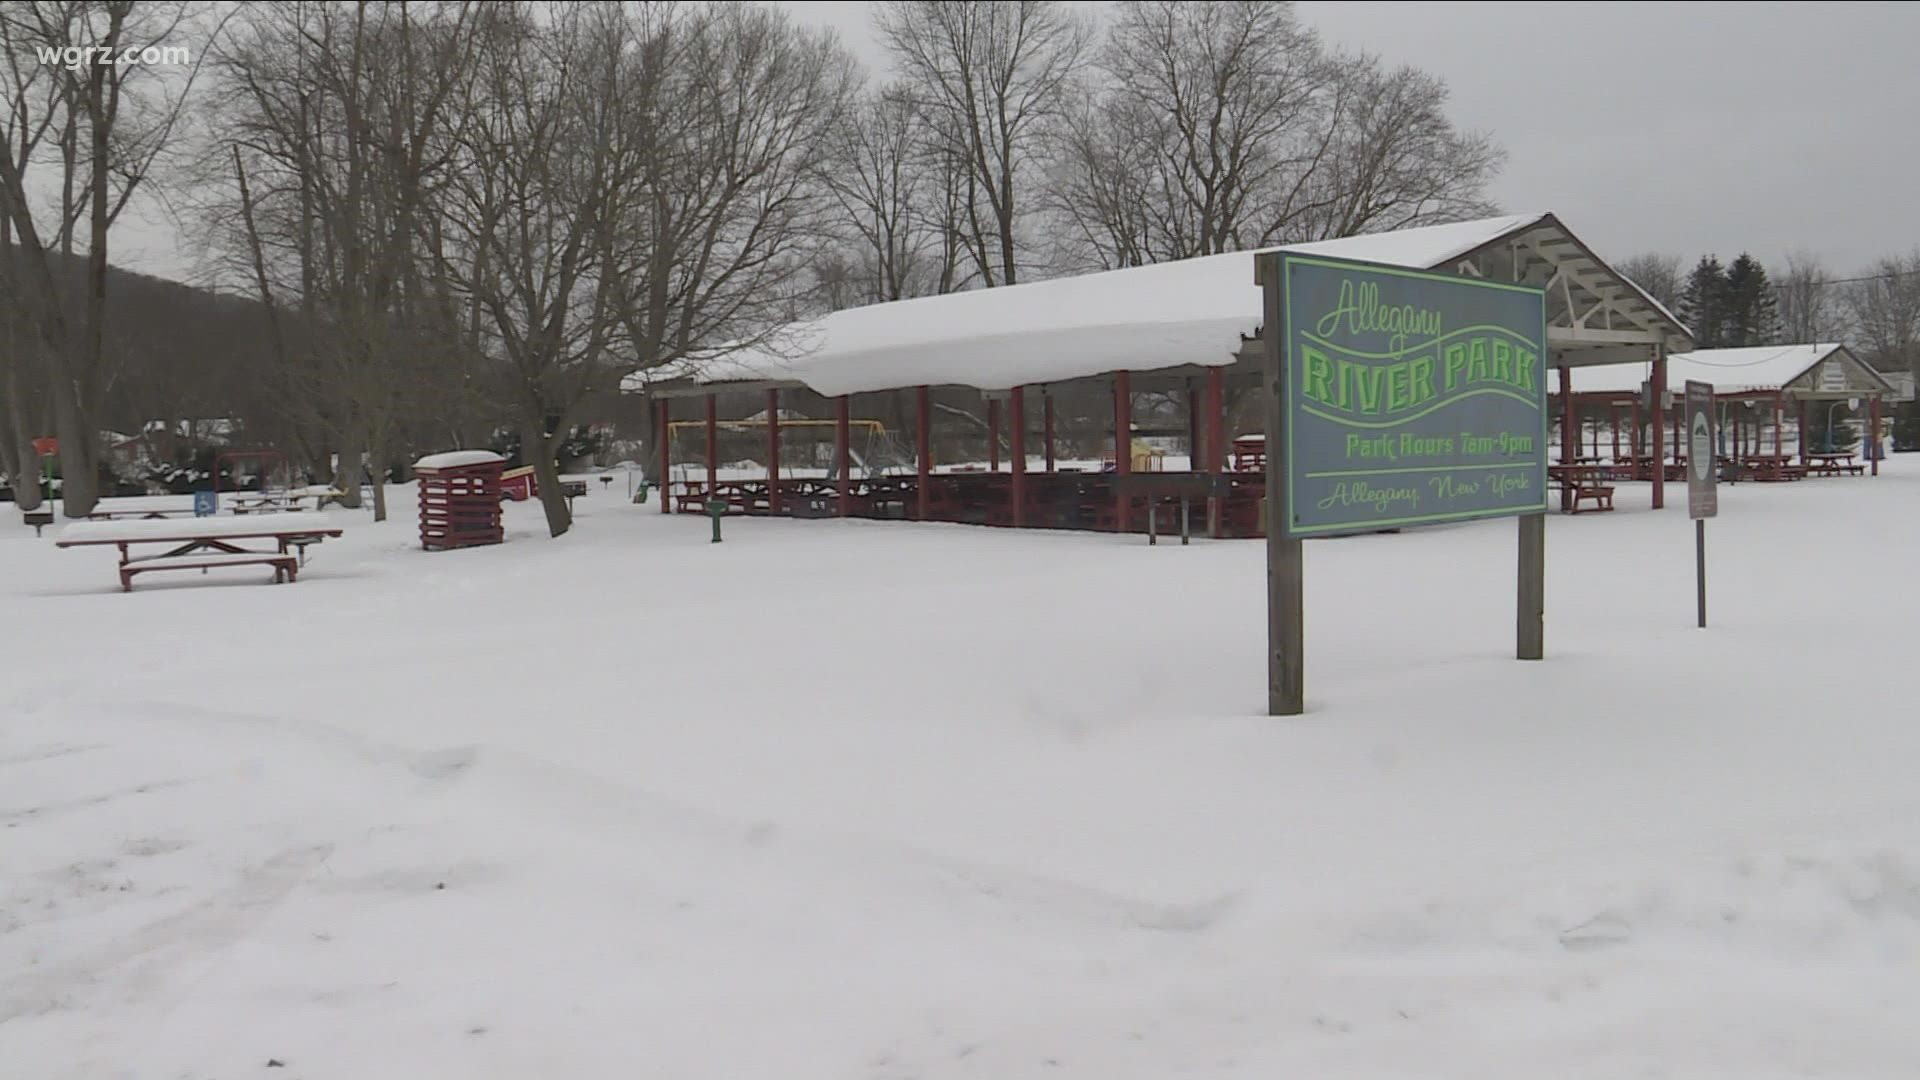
x=883 y=801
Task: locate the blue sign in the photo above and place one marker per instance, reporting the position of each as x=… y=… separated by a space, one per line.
x=1411 y=397
x=206 y=503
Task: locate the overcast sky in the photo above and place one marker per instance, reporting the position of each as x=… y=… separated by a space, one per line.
x=1682 y=128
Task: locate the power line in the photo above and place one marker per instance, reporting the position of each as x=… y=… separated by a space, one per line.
x=1856 y=280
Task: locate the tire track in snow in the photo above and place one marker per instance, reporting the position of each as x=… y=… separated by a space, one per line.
x=214 y=923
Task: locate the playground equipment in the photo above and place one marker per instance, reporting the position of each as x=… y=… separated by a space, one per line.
x=1144 y=458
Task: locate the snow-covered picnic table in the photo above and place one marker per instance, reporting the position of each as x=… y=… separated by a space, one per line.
x=204 y=543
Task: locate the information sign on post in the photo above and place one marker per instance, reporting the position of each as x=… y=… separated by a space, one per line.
x=205 y=503
x=1703 y=498
x=1399 y=398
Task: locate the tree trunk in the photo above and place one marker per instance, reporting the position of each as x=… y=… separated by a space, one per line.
x=349 y=468
x=17 y=458
x=538 y=448
x=79 y=484
x=377 y=465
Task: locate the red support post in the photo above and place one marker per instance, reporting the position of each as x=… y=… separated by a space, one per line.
x=1213 y=437
x=1873 y=413
x=843 y=453
x=1660 y=401
x=1634 y=433
x=1122 y=448
x=1017 y=429
x=1569 y=437
x=993 y=436
x=923 y=452
x=1800 y=432
x=773 y=451
x=1613 y=413
x=1047 y=399
x=713 y=445
x=666 y=456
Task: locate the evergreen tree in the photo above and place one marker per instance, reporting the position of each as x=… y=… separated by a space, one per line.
x=1750 y=315
x=1703 y=303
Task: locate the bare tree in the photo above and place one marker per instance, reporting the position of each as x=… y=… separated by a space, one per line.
x=1885 y=309
x=339 y=136
x=1205 y=107
x=992 y=74
x=1807 y=307
x=732 y=195
x=115 y=120
x=1391 y=160
x=1661 y=276
x=528 y=223
x=884 y=194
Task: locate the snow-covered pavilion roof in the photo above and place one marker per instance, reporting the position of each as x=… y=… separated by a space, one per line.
x=1193 y=313
x=1806 y=369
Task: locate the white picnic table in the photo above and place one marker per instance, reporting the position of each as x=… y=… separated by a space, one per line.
x=204 y=543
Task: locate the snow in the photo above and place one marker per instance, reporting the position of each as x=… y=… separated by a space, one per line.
x=1195 y=311
x=872 y=800
x=190 y=528
x=1765 y=367
x=453 y=459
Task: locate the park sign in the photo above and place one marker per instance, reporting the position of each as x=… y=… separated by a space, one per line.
x=1703 y=501
x=1410 y=397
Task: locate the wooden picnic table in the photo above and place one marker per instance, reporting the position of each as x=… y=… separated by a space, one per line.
x=1582 y=483
x=138 y=515
x=1770 y=468
x=1835 y=463
x=203 y=543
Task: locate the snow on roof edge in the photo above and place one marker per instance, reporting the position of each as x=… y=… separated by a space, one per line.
x=1144 y=318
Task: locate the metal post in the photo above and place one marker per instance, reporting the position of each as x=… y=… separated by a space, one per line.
x=1186 y=521
x=1613 y=414
x=1700 y=567
x=1286 y=613
x=1214 y=436
x=1801 y=431
x=1659 y=399
x=843 y=452
x=1153 y=521
x=713 y=445
x=773 y=451
x=1122 y=449
x=923 y=452
x=1017 y=450
x=666 y=456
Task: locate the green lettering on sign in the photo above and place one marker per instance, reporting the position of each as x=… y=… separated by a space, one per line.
x=1413 y=397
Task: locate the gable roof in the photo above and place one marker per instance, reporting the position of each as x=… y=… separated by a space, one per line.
x=1764 y=367
x=1194 y=312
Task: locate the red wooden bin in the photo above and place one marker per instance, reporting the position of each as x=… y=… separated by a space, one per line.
x=459 y=499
